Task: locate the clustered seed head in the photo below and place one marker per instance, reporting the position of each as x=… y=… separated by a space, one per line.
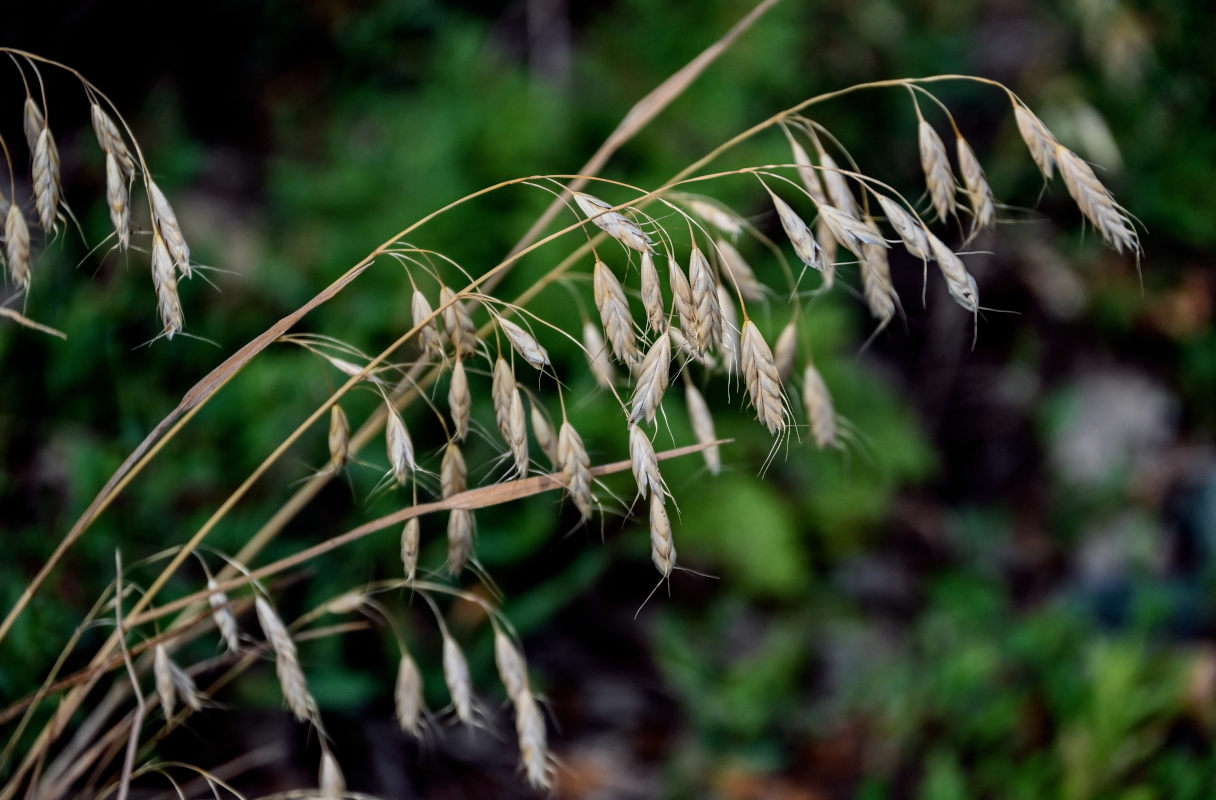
x=457 y=322
x=707 y=333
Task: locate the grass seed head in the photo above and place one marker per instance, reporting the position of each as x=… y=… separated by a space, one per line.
x=411 y=536
x=166 y=223
x=111 y=141
x=838 y=188
x=163 y=672
x=17 y=247
x=708 y=332
x=118 y=201
x=501 y=388
x=46 y=179
x=652 y=295
x=761 y=378
x=662 y=545
x=808 y=173
x=1038 y=138
x=703 y=427
x=652 y=380
x=911 y=231
x=456 y=676
x=715 y=214
x=533 y=745
x=849 y=231
x=614 y=314
x=287 y=664
x=644 y=463
x=458 y=324
x=453 y=474
x=332 y=784
x=339 y=438
x=681 y=292
x=407 y=696
x=575 y=467
x=729 y=346
x=799 y=234
x=524 y=343
x=613 y=223
x=429 y=340
x=597 y=355
x=32 y=123
x=739 y=272
x=399 y=445
x=546 y=437
x=164 y=280
x=1096 y=202
x=819 y=410
x=979 y=193
x=460 y=402
x=786 y=350
x=460 y=539
x=512 y=669
x=225 y=620
x=938 y=175
x=517 y=433
x=876 y=283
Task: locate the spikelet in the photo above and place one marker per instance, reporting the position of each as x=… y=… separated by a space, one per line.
x=186 y=688
x=786 y=350
x=456 y=676
x=339 y=438
x=17 y=247
x=965 y=293
x=652 y=295
x=287 y=664
x=163 y=674
x=575 y=467
x=662 y=545
x=681 y=294
x=512 y=669
x=453 y=474
x=708 y=332
x=876 y=283
x=506 y=395
x=111 y=141
x=460 y=539
x=910 y=230
x=760 y=377
x=644 y=462
x=597 y=356
x=740 y=274
x=330 y=780
x=347 y=602
x=118 y=201
x=729 y=346
x=46 y=179
x=938 y=175
x=429 y=341
x=166 y=223
x=807 y=172
x=407 y=696
x=703 y=427
x=533 y=747
x=411 y=536
x=1038 y=138
x=460 y=402
x=399 y=445
x=838 y=188
x=517 y=433
x=959 y=282
x=457 y=323
x=32 y=123
x=714 y=213
x=613 y=223
x=849 y=231
x=805 y=246
x=524 y=343
x=614 y=314
x=546 y=437
x=819 y=409
x=221 y=613
x=979 y=193
x=164 y=280
x=651 y=381
x=1096 y=202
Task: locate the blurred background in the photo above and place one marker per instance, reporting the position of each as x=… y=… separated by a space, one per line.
x=1002 y=587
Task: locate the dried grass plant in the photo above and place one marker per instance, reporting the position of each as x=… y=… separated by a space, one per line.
x=469 y=356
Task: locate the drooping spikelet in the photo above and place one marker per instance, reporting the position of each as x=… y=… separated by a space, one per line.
x=164 y=280
x=460 y=402
x=457 y=323
x=714 y=213
x=118 y=201
x=170 y=230
x=805 y=246
x=739 y=273
x=819 y=409
x=453 y=474
x=32 y=123
x=339 y=438
x=652 y=295
x=46 y=179
x=512 y=669
x=575 y=467
x=938 y=175
x=524 y=343
x=1038 y=138
x=876 y=283
x=221 y=614
x=849 y=231
x=761 y=378
x=786 y=350
x=399 y=445
x=681 y=297
x=979 y=193
x=703 y=427
x=910 y=230
x=429 y=340
x=460 y=539
x=644 y=462
x=708 y=331
x=807 y=172
x=614 y=314
x=662 y=545
x=164 y=681
x=17 y=247
x=456 y=676
x=598 y=355
x=546 y=437
x=111 y=141
x=1096 y=202
x=959 y=282
x=613 y=223
x=411 y=536
x=407 y=696
x=729 y=346
x=517 y=433
x=330 y=780
x=287 y=664
x=533 y=747
x=834 y=181
x=651 y=381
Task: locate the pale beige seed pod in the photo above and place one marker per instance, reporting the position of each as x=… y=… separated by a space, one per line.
x=169 y=228
x=164 y=281
x=652 y=295
x=111 y=141
x=457 y=323
x=456 y=676
x=330 y=780
x=739 y=273
x=910 y=229
x=339 y=438
x=524 y=343
x=849 y=231
x=407 y=696
x=429 y=339
x=644 y=463
x=533 y=745
x=786 y=350
x=761 y=378
x=185 y=687
x=959 y=282
x=651 y=381
x=546 y=437
x=411 y=536
x=118 y=201
x=714 y=213
x=796 y=230
x=819 y=409
x=614 y=313
x=517 y=433
x=965 y=292
x=708 y=332
x=501 y=388
x=729 y=346
x=162 y=671
x=681 y=292
x=221 y=614
x=46 y=179
x=460 y=402
x=838 y=188
x=347 y=602
x=460 y=539
x=453 y=474
x=662 y=545
x=287 y=664
x=1096 y=202
x=613 y=223
x=399 y=445
x=1038 y=138
x=936 y=165
x=575 y=467
x=876 y=284
x=512 y=669
x=828 y=246
x=703 y=427
x=32 y=123
x=597 y=356
x=807 y=172
x=979 y=193
x=17 y=247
